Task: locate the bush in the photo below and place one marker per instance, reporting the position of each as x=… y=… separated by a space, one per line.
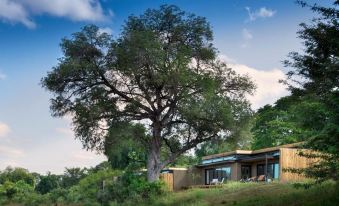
x=19 y=192
x=89 y=189
x=8 y=189
x=104 y=187
x=132 y=187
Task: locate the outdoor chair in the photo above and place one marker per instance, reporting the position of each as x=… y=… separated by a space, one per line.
x=214 y=182
x=252 y=179
x=261 y=178
x=222 y=181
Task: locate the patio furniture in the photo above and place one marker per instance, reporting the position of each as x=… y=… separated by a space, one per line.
x=222 y=181
x=252 y=179
x=214 y=182
x=261 y=178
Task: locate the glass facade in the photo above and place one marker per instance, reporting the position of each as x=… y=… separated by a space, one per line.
x=272 y=170
x=217 y=173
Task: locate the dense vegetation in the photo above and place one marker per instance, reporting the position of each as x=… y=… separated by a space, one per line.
x=95 y=186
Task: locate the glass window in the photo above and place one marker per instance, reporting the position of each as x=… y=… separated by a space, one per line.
x=217 y=173
x=245 y=171
x=272 y=170
x=260 y=170
x=276 y=171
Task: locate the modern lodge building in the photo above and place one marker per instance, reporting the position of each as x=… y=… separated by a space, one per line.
x=243 y=164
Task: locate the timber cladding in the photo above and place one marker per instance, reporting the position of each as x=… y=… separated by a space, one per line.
x=168 y=179
x=290 y=158
x=177 y=179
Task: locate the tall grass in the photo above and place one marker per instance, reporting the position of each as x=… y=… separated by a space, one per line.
x=253 y=194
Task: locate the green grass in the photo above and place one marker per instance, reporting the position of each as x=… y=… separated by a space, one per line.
x=253 y=194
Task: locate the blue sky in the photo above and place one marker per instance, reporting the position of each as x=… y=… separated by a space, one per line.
x=252 y=36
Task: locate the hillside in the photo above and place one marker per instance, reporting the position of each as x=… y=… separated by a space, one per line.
x=248 y=194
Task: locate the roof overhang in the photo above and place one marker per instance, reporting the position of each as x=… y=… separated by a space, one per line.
x=250 y=152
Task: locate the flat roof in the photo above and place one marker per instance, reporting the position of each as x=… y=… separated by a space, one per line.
x=269 y=149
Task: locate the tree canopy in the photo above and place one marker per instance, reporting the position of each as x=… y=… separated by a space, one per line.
x=161 y=72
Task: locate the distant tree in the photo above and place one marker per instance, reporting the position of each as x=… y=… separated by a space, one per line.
x=161 y=72
x=292 y=119
x=72 y=176
x=105 y=165
x=15 y=175
x=316 y=76
x=241 y=138
x=48 y=183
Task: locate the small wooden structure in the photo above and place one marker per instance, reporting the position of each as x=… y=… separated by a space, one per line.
x=175 y=178
x=168 y=179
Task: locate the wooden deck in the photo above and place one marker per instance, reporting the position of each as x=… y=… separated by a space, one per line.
x=205 y=186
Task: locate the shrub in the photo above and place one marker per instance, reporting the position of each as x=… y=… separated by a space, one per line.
x=89 y=189
x=132 y=187
x=8 y=189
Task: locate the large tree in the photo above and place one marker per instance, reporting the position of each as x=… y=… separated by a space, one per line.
x=161 y=72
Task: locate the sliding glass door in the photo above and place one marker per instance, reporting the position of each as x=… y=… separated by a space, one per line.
x=217 y=173
x=272 y=170
x=246 y=171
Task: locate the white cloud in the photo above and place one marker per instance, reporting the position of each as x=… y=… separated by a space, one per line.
x=4 y=129
x=269 y=90
x=106 y=30
x=10 y=151
x=247 y=35
x=21 y=11
x=263 y=12
x=2 y=75
x=13 y=12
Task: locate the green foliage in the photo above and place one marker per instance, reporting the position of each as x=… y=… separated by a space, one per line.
x=96 y=186
x=48 y=183
x=132 y=187
x=88 y=189
x=72 y=176
x=8 y=189
x=185 y=160
x=275 y=125
x=241 y=138
x=121 y=148
x=15 y=175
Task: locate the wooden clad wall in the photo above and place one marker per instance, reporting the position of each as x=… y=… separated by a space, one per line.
x=289 y=158
x=168 y=179
x=180 y=179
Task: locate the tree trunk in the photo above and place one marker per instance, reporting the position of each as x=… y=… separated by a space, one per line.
x=154 y=164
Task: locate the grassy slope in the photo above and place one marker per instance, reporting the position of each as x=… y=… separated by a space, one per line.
x=248 y=194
